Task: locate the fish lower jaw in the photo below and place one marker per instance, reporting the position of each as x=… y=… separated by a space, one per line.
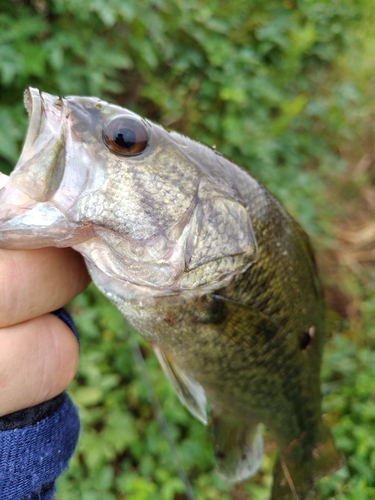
x=27 y=224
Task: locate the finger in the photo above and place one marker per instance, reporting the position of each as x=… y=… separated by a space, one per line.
x=38 y=360
x=34 y=282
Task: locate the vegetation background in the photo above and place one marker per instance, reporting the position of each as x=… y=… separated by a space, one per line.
x=286 y=89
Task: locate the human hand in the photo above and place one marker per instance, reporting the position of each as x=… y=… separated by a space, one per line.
x=38 y=352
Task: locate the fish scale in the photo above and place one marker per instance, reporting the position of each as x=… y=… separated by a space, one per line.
x=203 y=262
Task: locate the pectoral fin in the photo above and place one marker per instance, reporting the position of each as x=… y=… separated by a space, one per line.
x=238 y=447
x=189 y=391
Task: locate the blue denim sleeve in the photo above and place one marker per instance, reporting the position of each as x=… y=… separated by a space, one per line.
x=36 y=444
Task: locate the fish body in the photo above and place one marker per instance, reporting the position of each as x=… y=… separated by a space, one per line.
x=201 y=259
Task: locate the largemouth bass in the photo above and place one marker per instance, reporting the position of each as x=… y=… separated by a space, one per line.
x=201 y=259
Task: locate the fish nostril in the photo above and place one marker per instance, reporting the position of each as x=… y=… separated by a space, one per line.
x=58 y=103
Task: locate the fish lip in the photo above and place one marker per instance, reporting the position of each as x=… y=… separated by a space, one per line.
x=37 y=225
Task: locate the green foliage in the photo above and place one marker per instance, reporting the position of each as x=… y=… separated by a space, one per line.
x=349 y=374
x=278 y=86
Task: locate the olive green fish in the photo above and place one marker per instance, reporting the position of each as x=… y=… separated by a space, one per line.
x=201 y=259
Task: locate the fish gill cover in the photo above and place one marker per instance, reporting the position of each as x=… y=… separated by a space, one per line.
x=282 y=89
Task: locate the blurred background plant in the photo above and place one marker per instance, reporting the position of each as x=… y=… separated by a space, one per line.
x=286 y=89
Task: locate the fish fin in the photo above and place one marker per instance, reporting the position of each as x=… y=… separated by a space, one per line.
x=292 y=483
x=189 y=391
x=296 y=471
x=327 y=459
x=238 y=447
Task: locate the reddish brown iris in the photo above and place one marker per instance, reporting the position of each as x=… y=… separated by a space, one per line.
x=125 y=136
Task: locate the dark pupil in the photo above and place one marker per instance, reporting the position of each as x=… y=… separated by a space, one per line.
x=124 y=138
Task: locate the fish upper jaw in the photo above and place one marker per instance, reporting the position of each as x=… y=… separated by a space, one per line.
x=40 y=168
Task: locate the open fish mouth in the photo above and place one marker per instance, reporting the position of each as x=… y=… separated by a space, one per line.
x=26 y=206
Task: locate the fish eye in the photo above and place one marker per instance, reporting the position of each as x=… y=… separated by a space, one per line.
x=125 y=136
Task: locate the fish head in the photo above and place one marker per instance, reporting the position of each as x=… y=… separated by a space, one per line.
x=149 y=209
